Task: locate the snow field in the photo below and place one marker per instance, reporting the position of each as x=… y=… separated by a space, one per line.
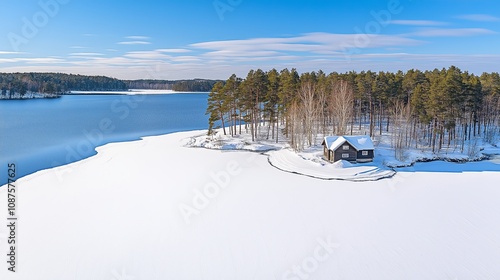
x=117 y=216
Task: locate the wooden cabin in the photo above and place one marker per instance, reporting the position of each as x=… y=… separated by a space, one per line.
x=349 y=148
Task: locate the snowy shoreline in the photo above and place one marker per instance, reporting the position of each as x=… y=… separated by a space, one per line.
x=35 y=95
x=128 y=92
x=156 y=207
x=311 y=163
x=29 y=95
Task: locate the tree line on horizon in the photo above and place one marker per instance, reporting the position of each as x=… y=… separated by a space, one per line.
x=56 y=84
x=419 y=109
x=194 y=85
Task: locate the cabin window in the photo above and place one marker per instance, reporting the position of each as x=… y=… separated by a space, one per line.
x=345 y=155
x=364 y=153
x=345 y=147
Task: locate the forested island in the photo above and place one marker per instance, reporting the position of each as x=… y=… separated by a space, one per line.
x=427 y=110
x=53 y=85
x=195 y=85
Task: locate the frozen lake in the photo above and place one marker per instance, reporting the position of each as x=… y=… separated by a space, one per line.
x=44 y=133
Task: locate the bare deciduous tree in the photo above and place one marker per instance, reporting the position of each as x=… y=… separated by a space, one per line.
x=310 y=110
x=401 y=129
x=341 y=106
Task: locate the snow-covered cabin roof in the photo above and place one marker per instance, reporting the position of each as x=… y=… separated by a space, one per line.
x=358 y=142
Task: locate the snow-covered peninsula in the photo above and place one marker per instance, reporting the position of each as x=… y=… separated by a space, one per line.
x=159 y=209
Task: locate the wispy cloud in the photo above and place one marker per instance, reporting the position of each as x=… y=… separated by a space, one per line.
x=312 y=43
x=134 y=43
x=135 y=40
x=138 y=38
x=479 y=17
x=33 y=60
x=186 y=59
x=147 y=55
x=78 y=47
x=418 y=22
x=9 y=52
x=174 y=50
x=157 y=54
x=306 y=52
x=86 y=54
x=43 y=60
x=457 y=32
x=185 y=67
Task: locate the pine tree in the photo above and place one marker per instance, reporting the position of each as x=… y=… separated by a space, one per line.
x=272 y=98
x=217 y=107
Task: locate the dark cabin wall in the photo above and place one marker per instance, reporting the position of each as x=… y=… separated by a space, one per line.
x=370 y=155
x=339 y=151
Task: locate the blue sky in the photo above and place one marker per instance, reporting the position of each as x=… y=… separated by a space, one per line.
x=178 y=39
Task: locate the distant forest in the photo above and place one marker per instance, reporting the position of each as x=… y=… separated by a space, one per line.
x=195 y=85
x=443 y=108
x=54 y=84
x=26 y=85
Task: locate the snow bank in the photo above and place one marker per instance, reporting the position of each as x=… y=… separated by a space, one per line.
x=307 y=163
x=154 y=209
x=226 y=142
x=342 y=164
x=129 y=92
x=290 y=161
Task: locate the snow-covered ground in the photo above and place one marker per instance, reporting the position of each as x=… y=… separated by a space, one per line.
x=289 y=161
x=280 y=156
x=29 y=95
x=131 y=91
x=310 y=162
x=158 y=209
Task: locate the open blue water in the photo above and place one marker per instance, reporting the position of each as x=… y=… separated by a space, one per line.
x=43 y=133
